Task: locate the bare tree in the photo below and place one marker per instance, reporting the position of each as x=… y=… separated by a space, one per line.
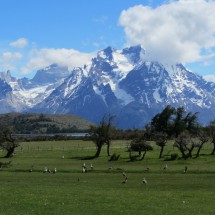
x=202 y=140
x=185 y=145
x=161 y=140
x=101 y=134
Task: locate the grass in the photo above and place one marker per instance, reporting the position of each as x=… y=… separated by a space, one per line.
x=101 y=192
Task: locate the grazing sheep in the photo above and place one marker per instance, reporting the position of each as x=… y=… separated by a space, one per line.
x=124 y=174
x=165 y=167
x=45 y=170
x=125 y=178
x=144 y=181
x=125 y=181
x=55 y=170
x=84 y=168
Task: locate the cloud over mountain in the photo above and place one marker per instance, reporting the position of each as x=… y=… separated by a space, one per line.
x=40 y=58
x=179 y=31
x=7 y=59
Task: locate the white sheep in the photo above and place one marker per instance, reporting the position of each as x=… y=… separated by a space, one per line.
x=144 y=181
x=45 y=170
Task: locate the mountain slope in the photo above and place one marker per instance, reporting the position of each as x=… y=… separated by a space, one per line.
x=21 y=94
x=121 y=83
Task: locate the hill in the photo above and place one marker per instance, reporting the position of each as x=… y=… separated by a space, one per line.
x=43 y=123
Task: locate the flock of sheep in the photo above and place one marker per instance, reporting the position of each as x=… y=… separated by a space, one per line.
x=85 y=169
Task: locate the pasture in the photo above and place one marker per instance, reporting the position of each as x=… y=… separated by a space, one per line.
x=101 y=191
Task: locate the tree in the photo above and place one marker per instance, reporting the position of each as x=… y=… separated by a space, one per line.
x=191 y=121
x=212 y=134
x=179 y=124
x=139 y=145
x=174 y=121
x=102 y=134
x=185 y=145
x=8 y=142
x=161 y=121
x=202 y=140
x=161 y=139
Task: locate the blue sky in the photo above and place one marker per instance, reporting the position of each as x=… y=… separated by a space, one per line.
x=34 y=33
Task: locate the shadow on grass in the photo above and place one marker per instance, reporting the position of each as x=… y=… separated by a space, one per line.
x=84 y=157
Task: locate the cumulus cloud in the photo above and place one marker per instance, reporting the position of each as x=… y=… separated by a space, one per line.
x=20 y=43
x=179 y=31
x=210 y=78
x=40 y=58
x=8 y=59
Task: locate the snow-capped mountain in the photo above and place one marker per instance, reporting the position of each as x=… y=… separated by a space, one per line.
x=120 y=82
x=18 y=95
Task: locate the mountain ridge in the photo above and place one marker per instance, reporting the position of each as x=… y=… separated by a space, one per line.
x=121 y=83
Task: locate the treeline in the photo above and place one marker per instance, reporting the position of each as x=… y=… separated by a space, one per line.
x=171 y=123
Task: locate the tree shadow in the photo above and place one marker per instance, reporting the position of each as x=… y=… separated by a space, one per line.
x=84 y=157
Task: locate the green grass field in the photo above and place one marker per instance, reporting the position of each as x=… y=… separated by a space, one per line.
x=101 y=191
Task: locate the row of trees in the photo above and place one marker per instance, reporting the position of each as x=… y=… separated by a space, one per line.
x=171 y=123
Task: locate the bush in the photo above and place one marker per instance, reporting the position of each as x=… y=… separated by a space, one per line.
x=173 y=156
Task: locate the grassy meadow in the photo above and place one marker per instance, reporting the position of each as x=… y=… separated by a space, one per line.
x=101 y=191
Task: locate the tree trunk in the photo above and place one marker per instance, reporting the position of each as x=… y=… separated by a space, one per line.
x=190 y=151
x=213 y=151
x=98 y=151
x=182 y=152
x=108 y=149
x=143 y=155
x=199 y=149
x=10 y=153
x=161 y=152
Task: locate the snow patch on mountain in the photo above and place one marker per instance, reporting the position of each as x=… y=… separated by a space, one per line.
x=123 y=65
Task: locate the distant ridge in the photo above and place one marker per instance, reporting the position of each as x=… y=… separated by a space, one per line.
x=43 y=123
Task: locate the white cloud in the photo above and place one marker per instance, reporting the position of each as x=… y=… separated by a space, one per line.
x=20 y=43
x=8 y=59
x=210 y=78
x=179 y=31
x=40 y=58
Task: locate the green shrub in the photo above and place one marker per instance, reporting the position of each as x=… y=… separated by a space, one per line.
x=173 y=156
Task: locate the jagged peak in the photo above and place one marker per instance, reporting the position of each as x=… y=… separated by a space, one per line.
x=132 y=49
x=106 y=53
